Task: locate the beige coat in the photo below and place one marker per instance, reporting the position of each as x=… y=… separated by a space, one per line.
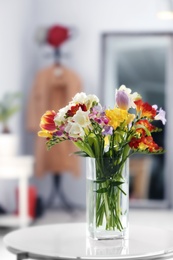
x=53 y=88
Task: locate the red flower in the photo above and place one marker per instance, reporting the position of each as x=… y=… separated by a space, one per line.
x=152 y=146
x=146 y=124
x=72 y=111
x=139 y=104
x=145 y=109
x=134 y=143
x=47 y=121
x=145 y=143
x=83 y=107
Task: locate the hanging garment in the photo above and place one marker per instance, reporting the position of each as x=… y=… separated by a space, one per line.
x=53 y=89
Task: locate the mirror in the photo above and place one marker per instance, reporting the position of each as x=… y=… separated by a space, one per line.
x=142 y=63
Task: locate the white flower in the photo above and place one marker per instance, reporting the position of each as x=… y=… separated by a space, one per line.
x=133 y=97
x=90 y=99
x=125 y=89
x=155 y=106
x=82 y=118
x=74 y=130
x=128 y=98
x=60 y=117
x=82 y=98
x=79 y=98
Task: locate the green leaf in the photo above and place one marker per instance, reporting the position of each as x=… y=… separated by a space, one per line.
x=117 y=183
x=81 y=153
x=84 y=147
x=122 y=190
x=102 y=190
x=101 y=180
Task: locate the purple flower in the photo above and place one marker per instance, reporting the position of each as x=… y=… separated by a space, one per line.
x=98 y=120
x=161 y=116
x=122 y=100
x=105 y=120
x=59 y=133
x=97 y=109
x=107 y=130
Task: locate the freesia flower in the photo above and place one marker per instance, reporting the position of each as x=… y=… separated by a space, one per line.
x=91 y=100
x=107 y=130
x=125 y=99
x=107 y=144
x=82 y=118
x=143 y=126
x=92 y=127
x=61 y=115
x=145 y=109
x=73 y=109
x=145 y=144
x=79 y=98
x=47 y=121
x=45 y=133
x=74 y=130
x=118 y=116
x=161 y=116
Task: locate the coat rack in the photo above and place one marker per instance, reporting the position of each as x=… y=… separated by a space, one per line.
x=55 y=36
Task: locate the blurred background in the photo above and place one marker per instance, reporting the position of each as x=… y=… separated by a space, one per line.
x=61 y=47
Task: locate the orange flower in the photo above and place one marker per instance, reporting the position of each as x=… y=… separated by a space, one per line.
x=145 y=109
x=145 y=143
x=152 y=146
x=138 y=104
x=146 y=124
x=47 y=121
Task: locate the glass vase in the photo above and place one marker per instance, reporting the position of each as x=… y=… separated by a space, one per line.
x=107 y=198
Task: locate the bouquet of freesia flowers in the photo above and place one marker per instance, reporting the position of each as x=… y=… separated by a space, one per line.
x=111 y=133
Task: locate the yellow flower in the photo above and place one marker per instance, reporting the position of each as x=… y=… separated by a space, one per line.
x=142 y=146
x=117 y=116
x=44 y=133
x=130 y=118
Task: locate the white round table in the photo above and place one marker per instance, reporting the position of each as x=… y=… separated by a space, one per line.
x=69 y=241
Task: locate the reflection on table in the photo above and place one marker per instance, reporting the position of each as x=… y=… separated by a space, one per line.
x=107 y=247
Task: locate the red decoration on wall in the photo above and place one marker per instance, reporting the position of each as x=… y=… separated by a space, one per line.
x=57 y=35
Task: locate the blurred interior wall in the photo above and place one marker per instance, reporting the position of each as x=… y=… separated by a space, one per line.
x=14 y=18
x=21 y=58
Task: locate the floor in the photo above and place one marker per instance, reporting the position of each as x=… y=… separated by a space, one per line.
x=152 y=218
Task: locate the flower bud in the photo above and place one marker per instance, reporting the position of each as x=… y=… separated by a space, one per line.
x=122 y=100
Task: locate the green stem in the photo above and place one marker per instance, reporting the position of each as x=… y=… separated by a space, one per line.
x=107 y=211
x=108 y=201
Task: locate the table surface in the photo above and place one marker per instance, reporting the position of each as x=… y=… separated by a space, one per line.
x=69 y=241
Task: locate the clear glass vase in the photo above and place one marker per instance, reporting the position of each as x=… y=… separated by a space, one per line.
x=107 y=198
